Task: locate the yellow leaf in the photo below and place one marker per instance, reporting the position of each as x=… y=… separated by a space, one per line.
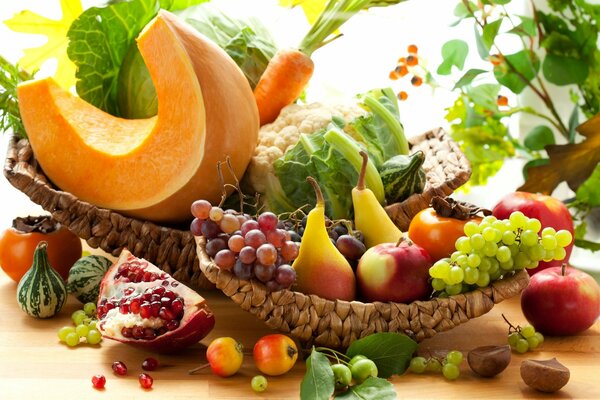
x=56 y=46
x=311 y=8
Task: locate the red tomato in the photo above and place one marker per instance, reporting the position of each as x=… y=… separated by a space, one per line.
x=16 y=251
x=436 y=234
x=275 y=354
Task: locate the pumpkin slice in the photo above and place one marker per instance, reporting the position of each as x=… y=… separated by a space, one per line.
x=149 y=168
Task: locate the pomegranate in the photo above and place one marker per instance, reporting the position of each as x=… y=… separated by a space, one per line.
x=143 y=305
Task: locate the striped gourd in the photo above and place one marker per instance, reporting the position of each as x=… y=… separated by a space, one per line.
x=85 y=277
x=402 y=175
x=42 y=291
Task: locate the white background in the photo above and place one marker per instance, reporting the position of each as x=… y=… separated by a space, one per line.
x=355 y=63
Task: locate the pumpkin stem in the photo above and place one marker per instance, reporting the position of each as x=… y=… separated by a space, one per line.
x=40 y=255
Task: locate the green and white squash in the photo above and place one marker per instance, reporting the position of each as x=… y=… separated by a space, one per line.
x=402 y=176
x=41 y=292
x=85 y=277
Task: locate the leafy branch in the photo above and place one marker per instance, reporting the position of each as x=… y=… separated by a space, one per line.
x=10 y=116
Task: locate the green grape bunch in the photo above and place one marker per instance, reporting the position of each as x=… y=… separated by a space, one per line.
x=523 y=338
x=495 y=248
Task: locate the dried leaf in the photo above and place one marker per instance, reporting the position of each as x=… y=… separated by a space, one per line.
x=56 y=47
x=572 y=163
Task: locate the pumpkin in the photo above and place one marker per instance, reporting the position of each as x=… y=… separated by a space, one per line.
x=402 y=176
x=41 y=292
x=151 y=168
x=85 y=277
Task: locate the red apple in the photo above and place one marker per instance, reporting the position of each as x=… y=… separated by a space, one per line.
x=548 y=210
x=561 y=301
x=397 y=272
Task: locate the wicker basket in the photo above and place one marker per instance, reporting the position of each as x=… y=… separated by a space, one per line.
x=317 y=321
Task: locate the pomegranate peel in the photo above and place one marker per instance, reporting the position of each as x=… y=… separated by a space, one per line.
x=142 y=305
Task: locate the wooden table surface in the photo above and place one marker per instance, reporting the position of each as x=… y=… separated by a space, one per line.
x=34 y=365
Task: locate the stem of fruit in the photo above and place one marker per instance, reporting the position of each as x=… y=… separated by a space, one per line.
x=563 y=269
x=511 y=327
x=360 y=184
x=318 y=193
x=334 y=354
x=194 y=370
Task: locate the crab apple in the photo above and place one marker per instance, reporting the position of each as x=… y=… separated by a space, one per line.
x=225 y=356
x=275 y=354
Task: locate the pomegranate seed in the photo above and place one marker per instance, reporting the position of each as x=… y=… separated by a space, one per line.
x=165 y=302
x=125 y=280
x=155 y=297
x=165 y=283
x=98 y=381
x=166 y=314
x=129 y=291
x=127 y=332
x=177 y=306
x=149 y=276
x=134 y=306
x=161 y=331
x=101 y=312
x=145 y=310
x=138 y=332
x=146 y=381
x=159 y=290
x=109 y=306
x=170 y=295
x=149 y=334
x=150 y=364
x=155 y=307
x=146 y=296
x=124 y=309
x=172 y=325
x=103 y=301
x=119 y=367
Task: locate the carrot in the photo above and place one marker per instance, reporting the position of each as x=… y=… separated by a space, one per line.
x=283 y=81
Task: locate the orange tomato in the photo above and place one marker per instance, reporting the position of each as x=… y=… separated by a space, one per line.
x=275 y=354
x=16 y=251
x=436 y=234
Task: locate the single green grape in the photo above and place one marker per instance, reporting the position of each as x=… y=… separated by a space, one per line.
x=489 y=234
x=489 y=219
x=259 y=383
x=503 y=254
x=462 y=260
x=485 y=264
x=455 y=255
x=563 y=238
x=454 y=357
x=532 y=265
x=517 y=219
x=494 y=265
x=439 y=270
x=514 y=249
x=483 y=280
x=490 y=249
x=418 y=365
x=560 y=253
x=463 y=244
x=513 y=339
x=533 y=342
x=471 y=275
x=508 y=237
x=529 y=238
x=539 y=337
x=471 y=228
x=438 y=284
x=477 y=241
x=549 y=242
x=507 y=265
x=473 y=260
x=64 y=331
x=549 y=231
x=450 y=371
x=90 y=309
x=93 y=337
x=548 y=255
x=433 y=365
x=72 y=339
x=533 y=224
x=82 y=330
x=92 y=324
x=455 y=289
x=536 y=253
x=522 y=260
x=522 y=346
x=456 y=275
x=527 y=331
x=78 y=316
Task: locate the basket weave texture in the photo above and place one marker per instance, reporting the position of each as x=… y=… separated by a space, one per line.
x=317 y=321
x=174 y=250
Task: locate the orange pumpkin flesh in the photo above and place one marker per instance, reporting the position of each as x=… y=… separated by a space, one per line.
x=149 y=168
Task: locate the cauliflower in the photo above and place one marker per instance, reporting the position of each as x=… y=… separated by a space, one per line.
x=278 y=137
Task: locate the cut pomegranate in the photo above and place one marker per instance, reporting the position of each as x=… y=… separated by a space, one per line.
x=143 y=305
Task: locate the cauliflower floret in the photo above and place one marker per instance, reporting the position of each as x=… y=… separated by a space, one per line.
x=276 y=138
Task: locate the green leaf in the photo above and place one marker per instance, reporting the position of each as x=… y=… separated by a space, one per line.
x=461 y=11
x=371 y=389
x=563 y=70
x=468 y=77
x=454 y=53
x=481 y=49
x=391 y=352
x=527 y=27
x=490 y=31
x=484 y=95
x=318 y=382
x=573 y=123
x=539 y=137
x=589 y=191
x=517 y=70
x=533 y=163
x=587 y=244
